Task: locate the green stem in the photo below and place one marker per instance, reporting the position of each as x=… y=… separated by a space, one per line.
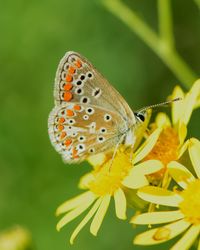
x=165 y=22
x=169 y=55
x=134 y=22
x=197 y=2
x=179 y=67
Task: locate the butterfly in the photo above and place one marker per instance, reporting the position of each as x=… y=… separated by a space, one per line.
x=89 y=116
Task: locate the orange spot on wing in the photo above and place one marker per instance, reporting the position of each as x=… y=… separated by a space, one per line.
x=68 y=86
x=67 y=96
x=69 y=112
x=78 y=64
x=63 y=134
x=61 y=120
x=69 y=78
x=77 y=107
x=71 y=70
x=60 y=127
x=68 y=142
x=74 y=153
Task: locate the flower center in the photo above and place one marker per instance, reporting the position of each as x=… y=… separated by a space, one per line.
x=108 y=178
x=190 y=206
x=165 y=150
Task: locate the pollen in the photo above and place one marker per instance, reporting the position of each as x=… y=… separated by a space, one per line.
x=165 y=150
x=190 y=206
x=109 y=176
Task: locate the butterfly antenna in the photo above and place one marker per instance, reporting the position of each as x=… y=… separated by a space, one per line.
x=160 y=104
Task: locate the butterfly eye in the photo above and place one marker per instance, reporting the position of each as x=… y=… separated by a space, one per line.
x=141 y=117
x=107 y=117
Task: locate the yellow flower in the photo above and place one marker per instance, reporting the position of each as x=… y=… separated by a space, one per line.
x=184 y=219
x=105 y=182
x=171 y=143
x=15 y=238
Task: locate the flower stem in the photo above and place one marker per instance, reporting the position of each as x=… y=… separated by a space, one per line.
x=165 y=22
x=197 y=2
x=163 y=46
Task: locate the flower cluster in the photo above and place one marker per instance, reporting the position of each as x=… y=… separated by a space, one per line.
x=154 y=170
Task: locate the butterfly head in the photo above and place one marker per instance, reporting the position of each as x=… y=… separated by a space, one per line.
x=142 y=118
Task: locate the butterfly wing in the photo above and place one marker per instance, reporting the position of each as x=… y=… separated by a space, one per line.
x=87 y=107
x=78 y=130
x=77 y=80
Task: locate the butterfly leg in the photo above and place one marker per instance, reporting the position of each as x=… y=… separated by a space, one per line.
x=115 y=150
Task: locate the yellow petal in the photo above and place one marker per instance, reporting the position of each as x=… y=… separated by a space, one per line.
x=161 y=234
x=177 y=107
x=190 y=101
x=85 y=220
x=194 y=151
x=157 y=217
x=197 y=104
x=97 y=160
x=74 y=213
x=187 y=239
x=182 y=132
x=147 y=146
x=85 y=180
x=183 y=149
x=162 y=120
x=120 y=204
x=159 y=196
x=180 y=173
x=99 y=216
x=136 y=177
x=135 y=182
x=74 y=202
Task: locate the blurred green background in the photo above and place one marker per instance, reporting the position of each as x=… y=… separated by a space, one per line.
x=34 y=36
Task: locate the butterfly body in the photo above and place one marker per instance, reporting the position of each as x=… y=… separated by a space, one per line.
x=89 y=116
